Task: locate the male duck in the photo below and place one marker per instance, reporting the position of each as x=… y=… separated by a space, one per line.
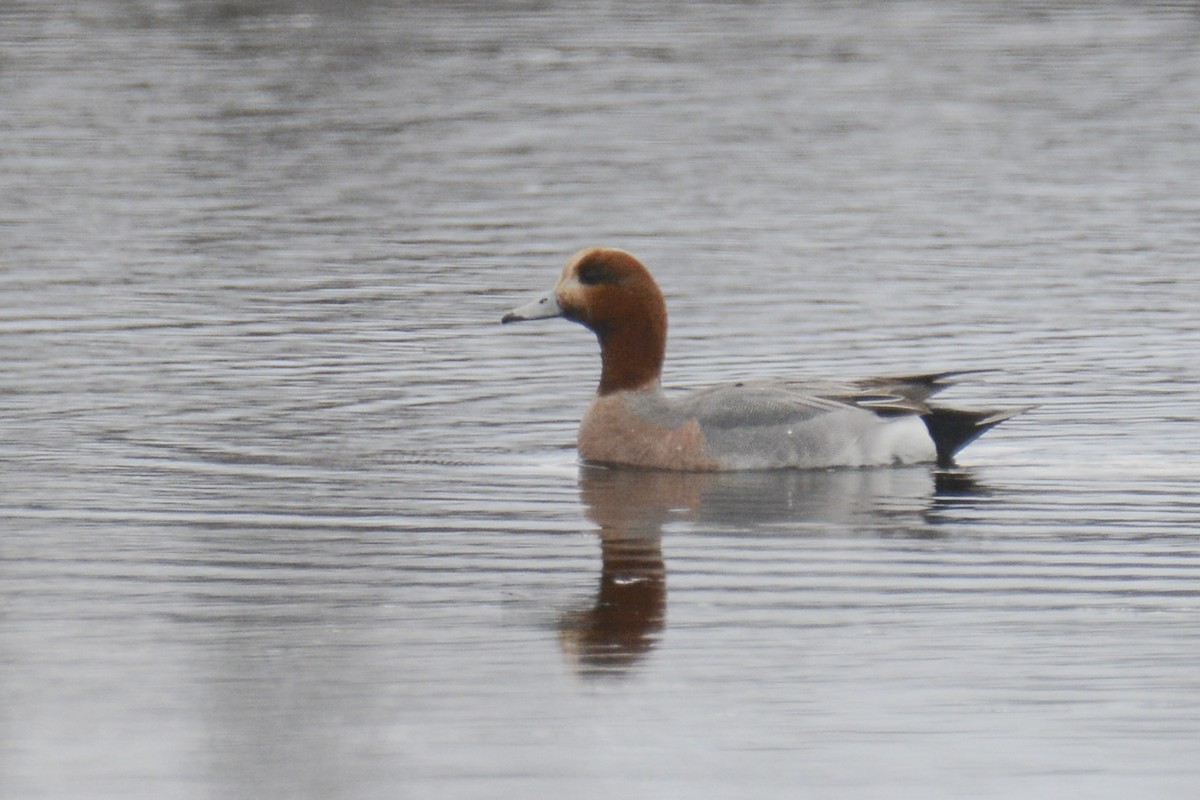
x=740 y=426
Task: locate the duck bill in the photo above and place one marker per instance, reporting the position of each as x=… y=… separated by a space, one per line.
x=544 y=307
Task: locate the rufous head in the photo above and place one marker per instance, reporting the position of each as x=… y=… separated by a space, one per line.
x=611 y=293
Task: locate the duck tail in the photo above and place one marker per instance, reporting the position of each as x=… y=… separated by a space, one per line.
x=952 y=429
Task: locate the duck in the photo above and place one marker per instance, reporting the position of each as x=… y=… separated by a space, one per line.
x=748 y=425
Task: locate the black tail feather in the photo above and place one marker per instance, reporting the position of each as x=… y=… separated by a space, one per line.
x=952 y=429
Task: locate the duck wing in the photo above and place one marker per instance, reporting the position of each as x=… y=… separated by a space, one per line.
x=769 y=403
x=784 y=405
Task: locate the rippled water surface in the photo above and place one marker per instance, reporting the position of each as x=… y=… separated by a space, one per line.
x=285 y=513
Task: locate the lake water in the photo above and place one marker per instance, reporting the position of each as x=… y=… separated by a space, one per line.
x=284 y=512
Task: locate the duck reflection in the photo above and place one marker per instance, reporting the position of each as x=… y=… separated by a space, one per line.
x=631 y=508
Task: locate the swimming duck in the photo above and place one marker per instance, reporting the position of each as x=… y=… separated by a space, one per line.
x=740 y=426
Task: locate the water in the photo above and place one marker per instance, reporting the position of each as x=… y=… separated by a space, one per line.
x=285 y=512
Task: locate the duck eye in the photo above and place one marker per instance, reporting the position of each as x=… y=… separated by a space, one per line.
x=594 y=272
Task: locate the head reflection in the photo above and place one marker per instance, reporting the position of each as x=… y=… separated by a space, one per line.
x=630 y=508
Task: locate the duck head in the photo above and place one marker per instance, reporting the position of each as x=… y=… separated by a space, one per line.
x=612 y=294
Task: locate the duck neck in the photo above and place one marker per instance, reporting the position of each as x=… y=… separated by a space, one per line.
x=631 y=356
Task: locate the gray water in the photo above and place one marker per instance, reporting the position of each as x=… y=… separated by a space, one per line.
x=285 y=513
